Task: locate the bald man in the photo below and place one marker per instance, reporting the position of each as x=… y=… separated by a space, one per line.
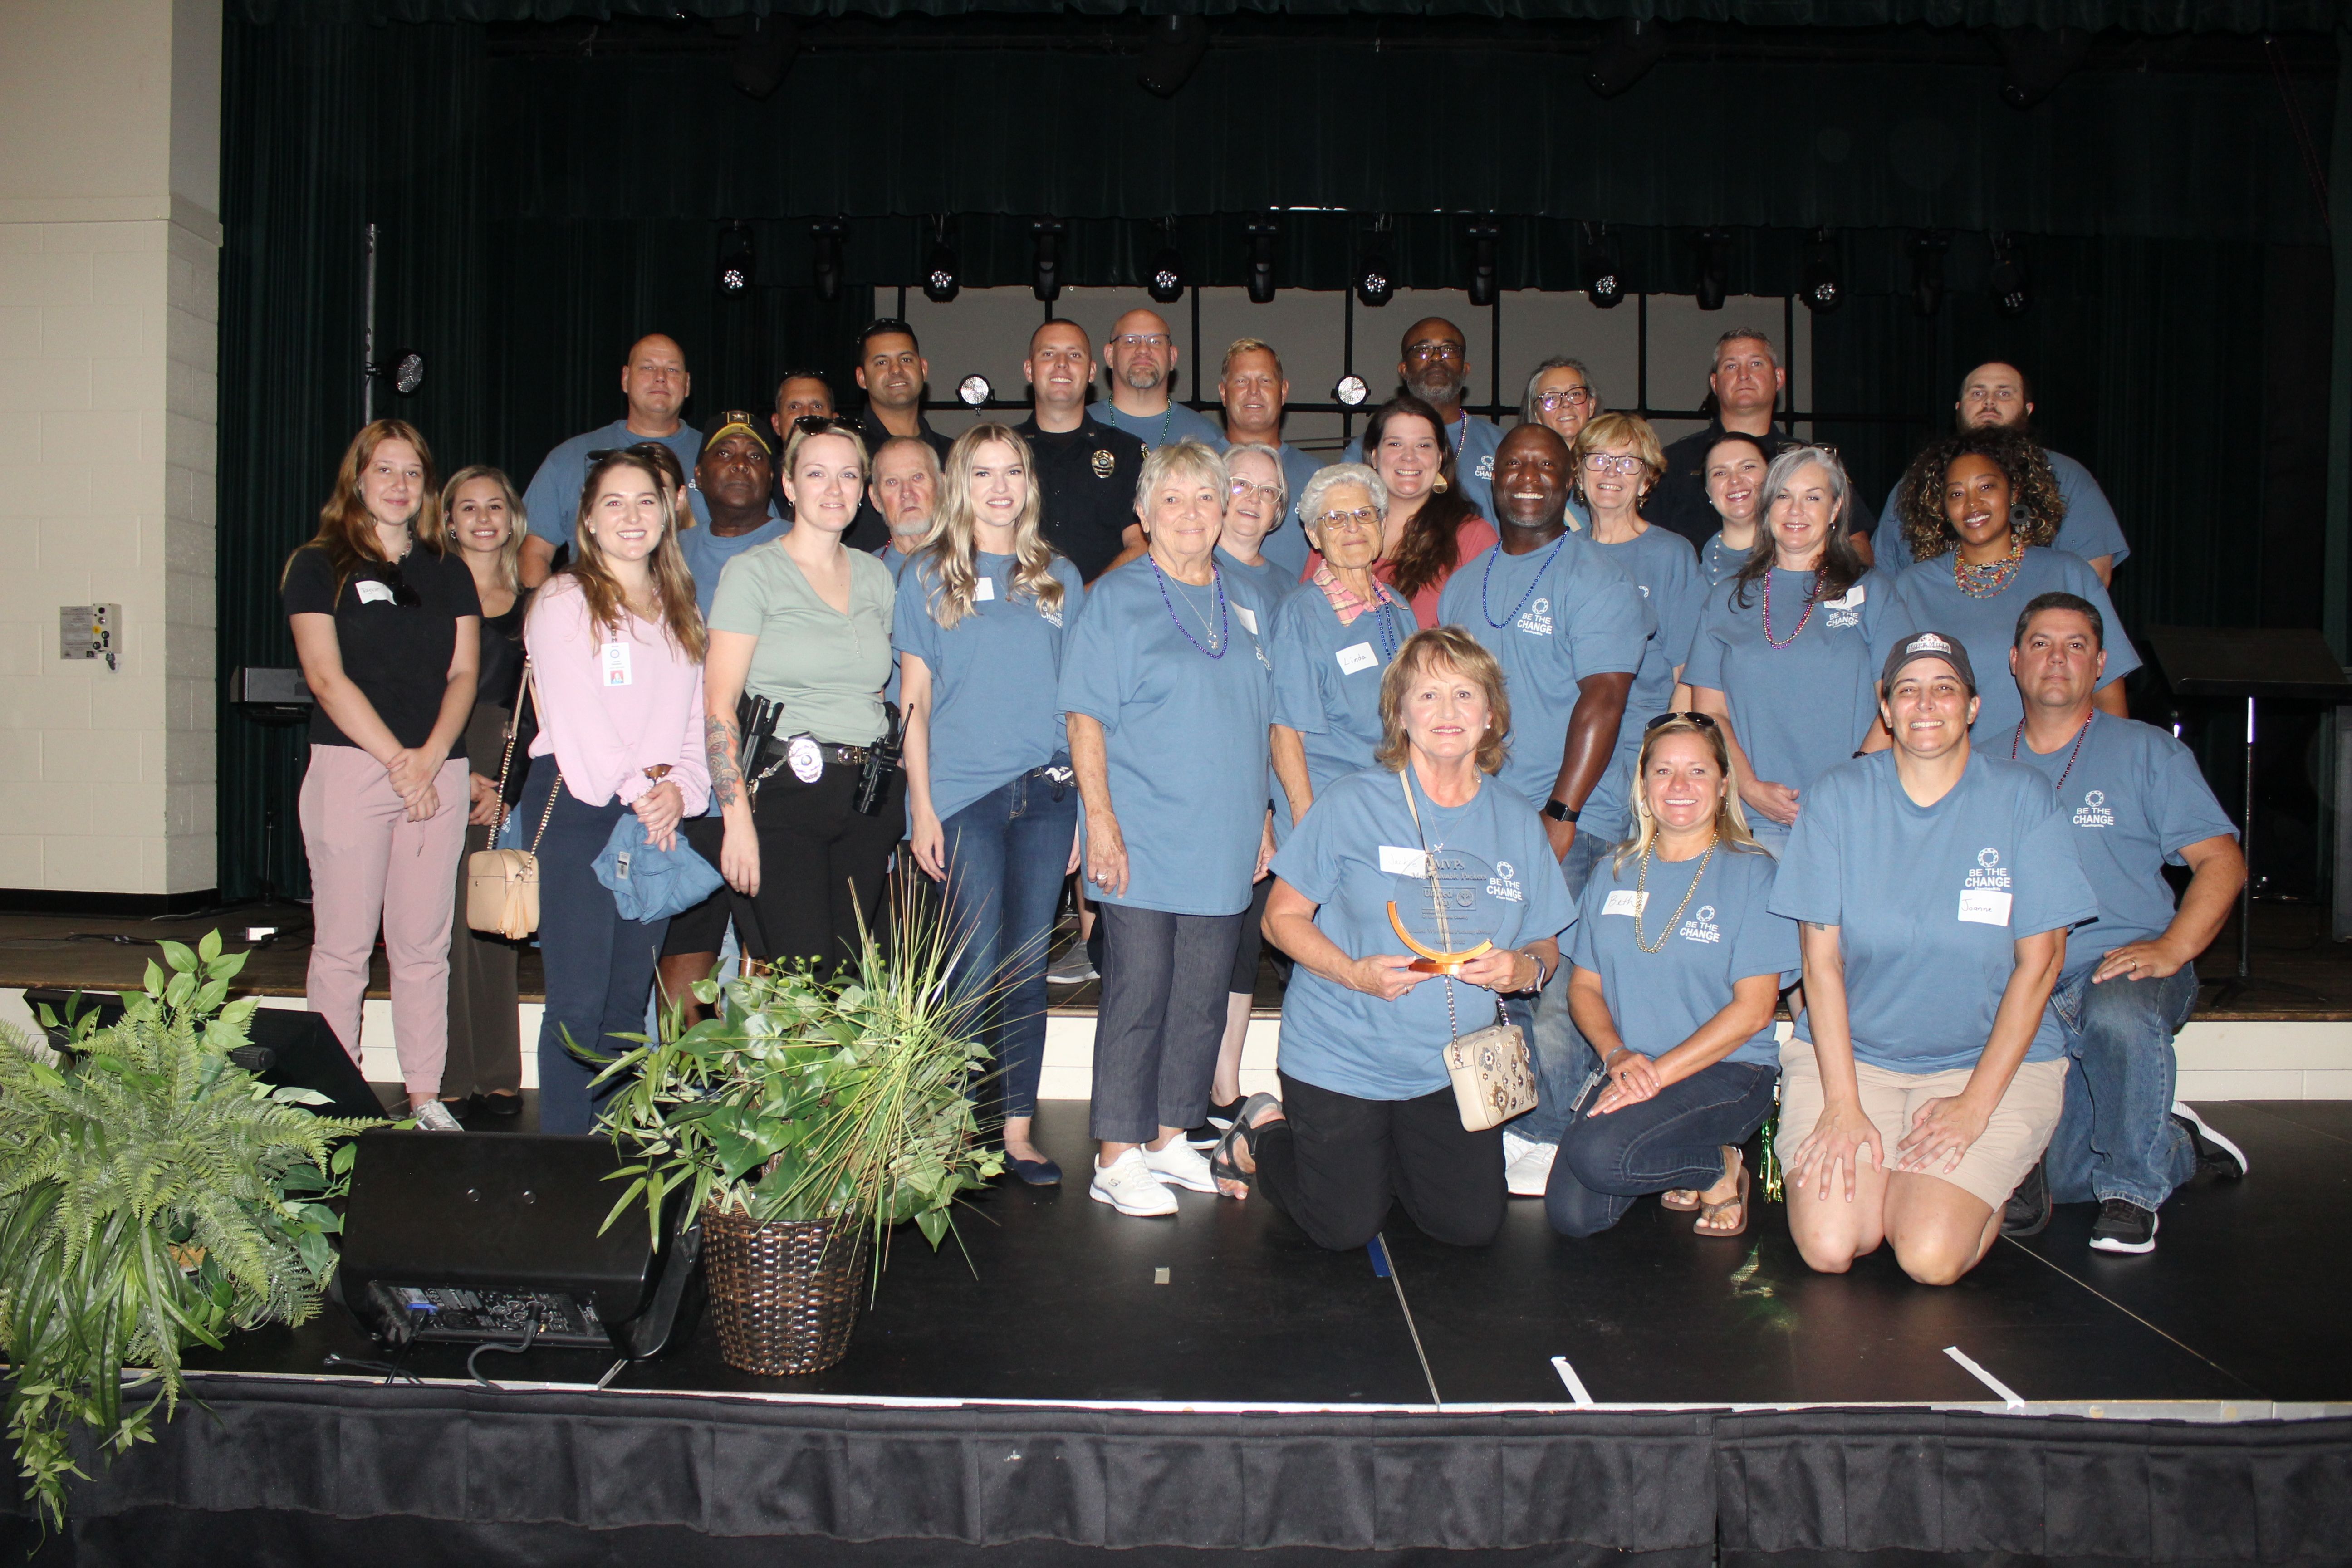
x=654 y=382
x=1139 y=365
x=1434 y=366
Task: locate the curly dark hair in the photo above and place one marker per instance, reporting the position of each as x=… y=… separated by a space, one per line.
x=2035 y=507
x=1432 y=546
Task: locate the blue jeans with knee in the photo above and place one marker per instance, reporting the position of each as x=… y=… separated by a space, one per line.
x=2118 y=1138
x=1006 y=854
x=1562 y=1059
x=1674 y=1138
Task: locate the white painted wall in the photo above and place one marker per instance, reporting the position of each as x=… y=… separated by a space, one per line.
x=110 y=243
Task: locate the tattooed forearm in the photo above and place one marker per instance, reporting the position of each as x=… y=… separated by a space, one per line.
x=723 y=740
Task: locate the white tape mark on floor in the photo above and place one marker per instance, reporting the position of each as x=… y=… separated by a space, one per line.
x=1576 y=1389
x=2008 y=1394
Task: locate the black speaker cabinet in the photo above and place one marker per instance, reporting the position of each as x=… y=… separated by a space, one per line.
x=479 y=1236
x=288 y=1047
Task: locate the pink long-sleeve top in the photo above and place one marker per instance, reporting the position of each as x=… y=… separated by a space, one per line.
x=606 y=716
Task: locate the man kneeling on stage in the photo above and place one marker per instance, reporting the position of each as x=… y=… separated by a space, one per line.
x=2136 y=802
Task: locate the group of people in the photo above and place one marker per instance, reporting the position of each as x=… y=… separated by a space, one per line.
x=1695 y=742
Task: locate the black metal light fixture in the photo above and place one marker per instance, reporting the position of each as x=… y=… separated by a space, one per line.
x=826 y=235
x=2009 y=281
x=403 y=372
x=737 y=259
x=1625 y=56
x=1171 y=52
x=1604 y=269
x=1260 y=275
x=1484 y=241
x=1163 y=277
x=2033 y=61
x=942 y=278
x=974 y=391
x=1714 y=247
x=1823 y=286
x=1349 y=391
x=1375 y=281
x=764 y=52
x=1927 y=247
x=1045 y=257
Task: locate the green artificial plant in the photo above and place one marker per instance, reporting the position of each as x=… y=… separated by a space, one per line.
x=154 y=1195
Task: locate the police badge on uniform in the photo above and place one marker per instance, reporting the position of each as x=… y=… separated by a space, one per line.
x=1104 y=464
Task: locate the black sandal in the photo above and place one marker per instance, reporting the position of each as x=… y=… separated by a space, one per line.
x=1243 y=1132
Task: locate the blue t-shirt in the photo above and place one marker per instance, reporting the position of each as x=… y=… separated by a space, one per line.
x=1350 y=1043
x=1801 y=708
x=1287 y=545
x=1658 y=999
x=1274 y=583
x=2089 y=527
x=1474 y=444
x=1928 y=901
x=1327 y=684
x=551 y=500
x=896 y=559
x=2135 y=799
x=1185 y=733
x=1552 y=618
x=1928 y=599
x=707 y=553
x=996 y=675
x=1178 y=423
x=1664 y=567
x=1718 y=563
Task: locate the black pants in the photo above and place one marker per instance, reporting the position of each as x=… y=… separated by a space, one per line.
x=821 y=866
x=1334 y=1163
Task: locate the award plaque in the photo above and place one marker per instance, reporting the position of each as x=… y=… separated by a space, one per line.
x=1449 y=914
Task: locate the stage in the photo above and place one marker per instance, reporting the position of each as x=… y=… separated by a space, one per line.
x=1069 y=1379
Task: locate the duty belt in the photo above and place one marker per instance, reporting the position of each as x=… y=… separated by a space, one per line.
x=849 y=756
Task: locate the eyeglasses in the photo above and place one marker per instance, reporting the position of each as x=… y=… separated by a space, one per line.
x=1603 y=463
x=1433 y=348
x=1362 y=517
x=1697 y=721
x=1574 y=397
x=1133 y=341
x=1272 y=493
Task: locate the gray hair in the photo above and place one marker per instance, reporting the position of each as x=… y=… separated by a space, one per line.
x=1744 y=334
x=1784 y=469
x=1281 y=480
x=1557 y=362
x=1310 y=500
x=1186 y=457
x=901 y=444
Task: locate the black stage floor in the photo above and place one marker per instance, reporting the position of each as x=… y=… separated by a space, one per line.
x=1053 y=1298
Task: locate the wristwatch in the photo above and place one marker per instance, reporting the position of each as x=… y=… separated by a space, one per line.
x=1560 y=811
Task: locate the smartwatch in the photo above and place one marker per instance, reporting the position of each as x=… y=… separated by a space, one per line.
x=1560 y=811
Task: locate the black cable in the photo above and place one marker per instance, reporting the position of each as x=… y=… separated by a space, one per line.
x=529 y=1334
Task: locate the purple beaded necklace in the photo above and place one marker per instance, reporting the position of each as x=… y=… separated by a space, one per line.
x=1218 y=639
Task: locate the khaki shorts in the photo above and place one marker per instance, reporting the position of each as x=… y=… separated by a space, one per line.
x=2013 y=1138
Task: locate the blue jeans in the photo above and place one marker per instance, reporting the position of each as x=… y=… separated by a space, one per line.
x=2118 y=1138
x=1562 y=1060
x=1006 y=854
x=1674 y=1138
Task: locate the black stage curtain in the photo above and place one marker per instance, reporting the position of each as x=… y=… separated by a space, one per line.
x=581 y=1477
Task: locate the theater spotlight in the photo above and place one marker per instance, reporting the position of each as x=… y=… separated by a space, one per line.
x=403 y=373
x=974 y=389
x=764 y=54
x=2009 y=281
x=1045 y=257
x=1822 y=288
x=1261 y=261
x=1164 y=278
x=825 y=237
x=1714 y=267
x=1927 y=247
x=1349 y=392
x=1625 y=56
x=1171 y=52
x=1483 y=237
x=738 y=258
x=1375 y=273
x=942 y=279
x=2034 y=61
x=1604 y=278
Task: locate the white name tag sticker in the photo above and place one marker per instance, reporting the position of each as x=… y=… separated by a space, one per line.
x=984 y=590
x=1399 y=862
x=1851 y=600
x=1624 y=901
x=1360 y=657
x=1247 y=618
x=617 y=668
x=372 y=592
x=1984 y=906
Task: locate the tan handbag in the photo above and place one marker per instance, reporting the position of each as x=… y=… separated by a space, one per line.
x=502 y=885
x=1492 y=1079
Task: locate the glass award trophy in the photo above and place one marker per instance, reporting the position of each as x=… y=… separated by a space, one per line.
x=1448 y=914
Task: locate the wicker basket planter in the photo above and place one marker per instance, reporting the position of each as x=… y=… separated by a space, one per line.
x=783 y=1294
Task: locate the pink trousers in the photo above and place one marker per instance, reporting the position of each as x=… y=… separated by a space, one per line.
x=370 y=865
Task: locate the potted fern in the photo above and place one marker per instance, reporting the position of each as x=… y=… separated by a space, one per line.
x=802 y=1125
x=154 y=1195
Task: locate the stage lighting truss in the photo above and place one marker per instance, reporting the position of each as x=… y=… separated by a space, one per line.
x=1822 y=286
x=826 y=236
x=1714 y=247
x=2009 y=281
x=1260 y=275
x=1046 y=235
x=1927 y=247
x=737 y=259
x=1603 y=268
x=1485 y=243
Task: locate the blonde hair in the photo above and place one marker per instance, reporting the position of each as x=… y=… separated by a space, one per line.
x=607 y=604
x=1249 y=346
x=1730 y=816
x=1614 y=429
x=952 y=551
x=517 y=521
x=834 y=427
x=1452 y=648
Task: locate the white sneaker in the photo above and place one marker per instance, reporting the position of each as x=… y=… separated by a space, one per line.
x=434 y=1117
x=1130 y=1186
x=1527 y=1164
x=1181 y=1163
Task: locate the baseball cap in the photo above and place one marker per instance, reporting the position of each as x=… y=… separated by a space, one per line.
x=1929 y=644
x=736 y=422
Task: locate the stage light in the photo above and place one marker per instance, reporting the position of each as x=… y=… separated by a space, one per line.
x=974 y=389
x=1045 y=257
x=2009 y=281
x=1483 y=243
x=1822 y=288
x=1349 y=392
x=1605 y=276
x=1714 y=267
x=738 y=258
x=1375 y=273
x=1164 y=278
x=826 y=235
x=405 y=373
x=1927 y=247
x=1625 y=56
x=942 y=279
x=1171 y=52
x=2033 y=62
x=1261 y=260
x=764 y=55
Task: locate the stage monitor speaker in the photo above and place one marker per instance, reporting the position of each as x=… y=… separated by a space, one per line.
x=288 y=1047
x=475 y=1237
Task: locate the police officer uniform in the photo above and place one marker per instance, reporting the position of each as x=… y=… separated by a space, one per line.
x=1086 y=482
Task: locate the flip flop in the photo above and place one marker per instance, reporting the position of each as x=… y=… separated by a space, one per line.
x=1682 y=1200
x=1242 y=1133
x=1709 y=1211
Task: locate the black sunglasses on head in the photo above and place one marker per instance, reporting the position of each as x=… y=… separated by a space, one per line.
x=1697 y=720
x=404 y=592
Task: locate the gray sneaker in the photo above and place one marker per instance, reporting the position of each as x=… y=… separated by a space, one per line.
x=436 y=1117
x=1073 y=968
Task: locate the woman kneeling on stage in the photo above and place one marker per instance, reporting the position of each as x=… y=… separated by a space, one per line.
x=1677 y=966
x=1366 y=1114
x=1935 y=886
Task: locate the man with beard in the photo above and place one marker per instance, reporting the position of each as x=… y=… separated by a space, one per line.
x=806 y=394
x=905 y=490
x=1087 y=471
x=1435 y=368
x=1253 y=389
x=891 y=370
x=1746 y=382
x=1141 y=357
x=656 y=384
x=1998 y=393
x=735 y=474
